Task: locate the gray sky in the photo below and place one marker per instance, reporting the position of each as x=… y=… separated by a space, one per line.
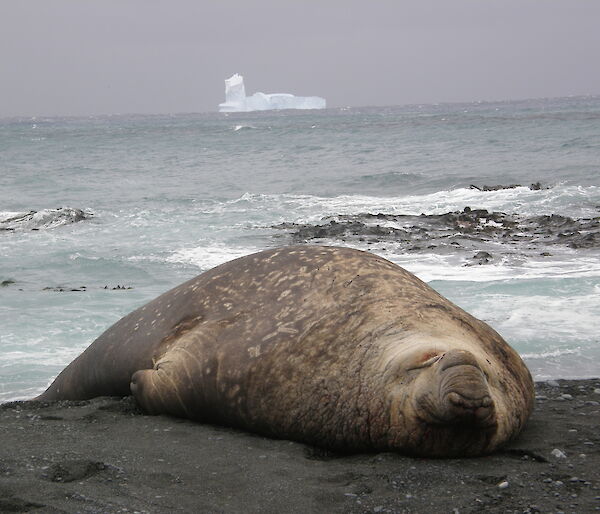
x=77 y=57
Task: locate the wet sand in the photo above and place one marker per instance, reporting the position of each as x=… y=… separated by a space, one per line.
x=105 y=456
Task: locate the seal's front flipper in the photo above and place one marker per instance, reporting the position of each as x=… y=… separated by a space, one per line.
x=159 y=392
x=183 y=381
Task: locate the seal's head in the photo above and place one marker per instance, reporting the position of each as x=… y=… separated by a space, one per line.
x=450 y=400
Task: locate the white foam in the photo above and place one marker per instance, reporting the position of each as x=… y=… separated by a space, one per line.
x=207 y=257
x=433 y=266
x=43 y=346
x=6 y=215
x=552 y=353
x=549 y=321
x=521 y=200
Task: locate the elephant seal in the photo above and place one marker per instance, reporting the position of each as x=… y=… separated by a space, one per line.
x=330 y=346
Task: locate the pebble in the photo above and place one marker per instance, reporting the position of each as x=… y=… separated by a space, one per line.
x=566 y=396
x=597 y=391
x=553 y=383
x=503 y=485
x=558 y=454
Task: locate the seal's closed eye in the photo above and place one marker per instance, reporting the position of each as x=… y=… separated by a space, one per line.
x=427 y=359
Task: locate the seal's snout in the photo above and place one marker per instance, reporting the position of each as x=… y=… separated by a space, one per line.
x=479 y=410
x=464 y=391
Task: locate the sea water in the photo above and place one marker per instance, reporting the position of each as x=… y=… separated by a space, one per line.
x=166 y=197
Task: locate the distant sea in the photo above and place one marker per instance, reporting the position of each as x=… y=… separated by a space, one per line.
x=99 y=215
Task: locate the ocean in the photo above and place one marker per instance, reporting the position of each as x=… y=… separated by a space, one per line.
x=99 y=215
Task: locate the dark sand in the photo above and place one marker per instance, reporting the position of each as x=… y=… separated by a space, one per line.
x=105 y=456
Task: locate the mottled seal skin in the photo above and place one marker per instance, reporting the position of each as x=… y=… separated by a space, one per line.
x=330 y=346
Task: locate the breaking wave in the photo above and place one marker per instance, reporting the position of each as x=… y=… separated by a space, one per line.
x=573 y=201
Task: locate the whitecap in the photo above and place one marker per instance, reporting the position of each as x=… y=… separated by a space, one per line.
x=7 y=215
x=558 y=352
x=209 y=256
x=573 y=201
x=243 y=127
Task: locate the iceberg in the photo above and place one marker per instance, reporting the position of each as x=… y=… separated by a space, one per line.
x=237 y=101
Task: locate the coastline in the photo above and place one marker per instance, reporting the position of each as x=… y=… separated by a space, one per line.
x=104 y=455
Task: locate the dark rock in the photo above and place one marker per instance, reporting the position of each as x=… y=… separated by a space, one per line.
x=467 y=230
x=47 y=218
x=482 y=258
x=494 y=188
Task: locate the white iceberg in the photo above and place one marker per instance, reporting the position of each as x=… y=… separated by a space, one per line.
x=237 y=101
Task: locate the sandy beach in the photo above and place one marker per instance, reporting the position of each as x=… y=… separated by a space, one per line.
x=104 y=455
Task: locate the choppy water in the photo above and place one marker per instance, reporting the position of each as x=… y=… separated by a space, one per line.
x=167 y=197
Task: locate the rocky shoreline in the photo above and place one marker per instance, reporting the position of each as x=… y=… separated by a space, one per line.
x=481 y=236
x=105 y=456
x=474 y=235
